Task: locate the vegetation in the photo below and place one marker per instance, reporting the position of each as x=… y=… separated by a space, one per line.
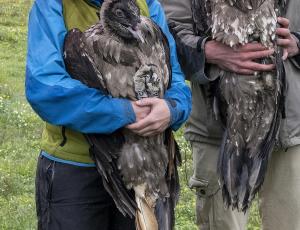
x=20 y=130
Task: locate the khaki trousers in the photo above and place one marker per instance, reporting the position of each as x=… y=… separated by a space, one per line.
x=280 y=194
x=279 y=201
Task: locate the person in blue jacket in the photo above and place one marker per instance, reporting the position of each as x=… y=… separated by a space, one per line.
x=68 y=192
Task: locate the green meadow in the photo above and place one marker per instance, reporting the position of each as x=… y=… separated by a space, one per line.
x=20 y=131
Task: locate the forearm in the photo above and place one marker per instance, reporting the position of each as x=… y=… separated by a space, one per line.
x=189 y=45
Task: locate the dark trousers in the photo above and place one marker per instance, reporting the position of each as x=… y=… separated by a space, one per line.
x=73 y=198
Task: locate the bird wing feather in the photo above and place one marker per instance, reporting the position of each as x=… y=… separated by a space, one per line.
x=81 y=63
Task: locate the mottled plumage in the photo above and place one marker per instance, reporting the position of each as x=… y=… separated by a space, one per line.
x=126 y=55
x=250 y=106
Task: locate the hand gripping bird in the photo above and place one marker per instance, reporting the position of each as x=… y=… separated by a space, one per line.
x=250 y=105
x=126 y=55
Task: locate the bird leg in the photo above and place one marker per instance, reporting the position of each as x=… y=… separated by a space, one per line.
x=146 y=82
x=139 y=80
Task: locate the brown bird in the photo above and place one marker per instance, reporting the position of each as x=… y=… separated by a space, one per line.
x=250 y=106
x=126 y=55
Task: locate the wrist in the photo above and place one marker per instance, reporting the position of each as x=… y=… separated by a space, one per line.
x=172 y=108
x=296 y=37
x=212 y=52
x=132 y=110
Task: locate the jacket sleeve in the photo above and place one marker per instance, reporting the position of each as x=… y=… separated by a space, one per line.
x=178 y=97
x=52 y=93
x=296 y=59
x=190 y=46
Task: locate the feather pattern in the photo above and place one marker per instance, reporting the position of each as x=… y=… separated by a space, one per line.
x=126 y=55
x=249 y=105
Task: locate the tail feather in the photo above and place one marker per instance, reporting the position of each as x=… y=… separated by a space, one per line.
x=240 y=177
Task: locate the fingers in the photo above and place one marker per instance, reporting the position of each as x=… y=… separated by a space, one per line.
x=285 y=54
x=146 y=127
x=146 y=102
x=284 y=22
x=257 y=66
x=283 y=32
x=245 y=71
x=150 y=130
x=140 y=124
x=140 y=111
x=157 y=120
x=257 y=54
x=251 y=47
x=283 y=42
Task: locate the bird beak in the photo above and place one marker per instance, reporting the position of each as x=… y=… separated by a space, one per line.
x=136 y=33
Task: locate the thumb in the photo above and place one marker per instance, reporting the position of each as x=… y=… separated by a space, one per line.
x=285 y=54
x=146 y=101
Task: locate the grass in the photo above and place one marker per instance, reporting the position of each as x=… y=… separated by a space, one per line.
x=20 y=130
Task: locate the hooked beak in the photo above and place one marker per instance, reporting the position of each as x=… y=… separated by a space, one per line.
x=136 y=33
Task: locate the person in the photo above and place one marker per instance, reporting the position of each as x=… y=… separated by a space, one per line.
x=69 y=191
x=279 y=203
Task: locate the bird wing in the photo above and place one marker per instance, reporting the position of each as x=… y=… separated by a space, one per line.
x=79 y=63
x=252 y=125
x=105 y=151
x=281 y=5
x=201 y=10
x=83 y=53
x=165 y=208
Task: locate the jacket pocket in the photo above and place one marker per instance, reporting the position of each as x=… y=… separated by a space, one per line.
x=204 y=188
x=205 y=177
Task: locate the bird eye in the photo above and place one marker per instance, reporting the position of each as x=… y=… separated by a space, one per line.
x=120 y=13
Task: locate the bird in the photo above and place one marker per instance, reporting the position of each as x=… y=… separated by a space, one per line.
x=126 y=55
x=250 y=107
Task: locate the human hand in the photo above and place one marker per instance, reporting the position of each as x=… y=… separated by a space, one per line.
x=140 y=111
x=156 y=121
x=286 y=40
x=240 y=60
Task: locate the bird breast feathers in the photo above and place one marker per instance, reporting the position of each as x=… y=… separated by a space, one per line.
x=235 y=22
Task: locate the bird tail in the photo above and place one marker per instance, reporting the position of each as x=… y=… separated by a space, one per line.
x=240 y=175
x=165 y=207
x=159 y=212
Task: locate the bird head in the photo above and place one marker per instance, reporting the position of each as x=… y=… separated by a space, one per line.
x=122 y=18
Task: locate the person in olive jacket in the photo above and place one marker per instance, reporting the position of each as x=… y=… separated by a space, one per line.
x=280 y=206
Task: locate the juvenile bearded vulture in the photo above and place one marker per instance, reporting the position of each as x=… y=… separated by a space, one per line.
x=126 y=55
x=250 y=105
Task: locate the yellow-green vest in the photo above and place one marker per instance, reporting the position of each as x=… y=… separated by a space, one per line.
x=65 y=143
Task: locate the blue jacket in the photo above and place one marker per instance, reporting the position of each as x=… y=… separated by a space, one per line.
x=61 y=100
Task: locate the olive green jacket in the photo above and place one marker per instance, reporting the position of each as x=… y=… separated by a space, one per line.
x=190 y=38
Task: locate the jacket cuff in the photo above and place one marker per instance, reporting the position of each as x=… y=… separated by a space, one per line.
x=296 y=58
x=202 y=76
x=128 y=112
x=174 y=112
